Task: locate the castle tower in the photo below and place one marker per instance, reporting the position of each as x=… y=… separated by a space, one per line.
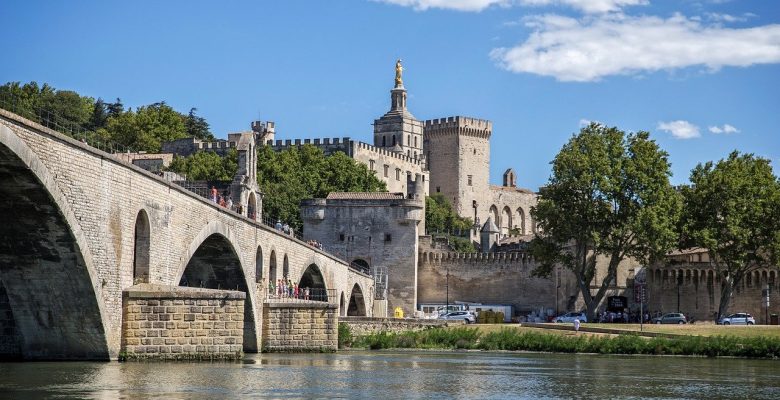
x=398 y=130
x=457 y=152
x=490 y=233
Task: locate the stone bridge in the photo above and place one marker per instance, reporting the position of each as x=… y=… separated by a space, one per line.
x=80 y=227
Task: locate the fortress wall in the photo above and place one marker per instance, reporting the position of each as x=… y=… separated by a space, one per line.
x=365 y=154
x=490 y=278
x=300 y=326
x=699 y=289
x=328 y=145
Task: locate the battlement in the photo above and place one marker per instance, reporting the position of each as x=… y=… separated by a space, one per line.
x=385 y=152
x=328 y=145
x=486 y=259
x=459 y=122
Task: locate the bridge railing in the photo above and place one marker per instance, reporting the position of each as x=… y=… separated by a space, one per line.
x=60 y=124
x=285 y=294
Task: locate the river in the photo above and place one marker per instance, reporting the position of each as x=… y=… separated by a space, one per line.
x=400 y=375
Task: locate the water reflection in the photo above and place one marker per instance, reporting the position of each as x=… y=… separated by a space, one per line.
x=405 y=375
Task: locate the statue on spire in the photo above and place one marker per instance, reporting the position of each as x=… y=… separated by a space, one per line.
x=399 y=69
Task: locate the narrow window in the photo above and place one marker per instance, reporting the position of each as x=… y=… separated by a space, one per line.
x=469 y=180
x=387 y=168
x=341 y=237
x=384 y=141
x=397 y=174
x=388 y=237
x=371 y=165
x=393 y=140
x=438 y=189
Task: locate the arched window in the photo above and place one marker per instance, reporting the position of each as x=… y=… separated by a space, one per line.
x=361 y=265
x=521 y=220
x=313 y=281
x=357 y=305
x=285 y=268
x=251 y=207
x=141 y=249
x=384 y=141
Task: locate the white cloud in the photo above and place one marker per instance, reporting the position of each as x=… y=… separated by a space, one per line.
x=585 y=122
x=729 y=18
x=680 y=129
x=458 y=5
x=591 y=48
x=588 y=6
x=726 y=128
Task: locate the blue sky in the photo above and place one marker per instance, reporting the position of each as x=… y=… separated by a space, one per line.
x=701 y=76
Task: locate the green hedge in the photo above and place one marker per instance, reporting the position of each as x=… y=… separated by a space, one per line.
x=511 y=339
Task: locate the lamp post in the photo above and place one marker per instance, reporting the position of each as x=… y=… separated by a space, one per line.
x=447 y=287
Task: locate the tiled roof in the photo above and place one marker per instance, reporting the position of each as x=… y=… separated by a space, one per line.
x=365 y=196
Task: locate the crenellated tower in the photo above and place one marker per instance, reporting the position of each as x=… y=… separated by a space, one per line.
x=457 y=151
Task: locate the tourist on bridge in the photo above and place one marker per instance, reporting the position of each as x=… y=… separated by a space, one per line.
x=214 y=194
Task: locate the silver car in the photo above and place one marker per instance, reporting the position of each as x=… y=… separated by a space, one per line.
x=738 y=319
x=465 y=316
x=570 y=317
x=671 y=318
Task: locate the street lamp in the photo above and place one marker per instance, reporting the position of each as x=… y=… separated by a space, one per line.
x=447 y=286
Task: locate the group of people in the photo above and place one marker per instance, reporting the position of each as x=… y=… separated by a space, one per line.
x=285 y=288
x=286 y=228
x=224 y=199
x=315 y=244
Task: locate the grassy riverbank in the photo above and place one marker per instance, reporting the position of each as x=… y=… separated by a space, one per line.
x=512 y=338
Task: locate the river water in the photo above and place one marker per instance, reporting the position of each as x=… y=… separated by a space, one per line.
x=401 y=375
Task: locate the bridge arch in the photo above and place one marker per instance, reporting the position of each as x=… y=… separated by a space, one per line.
x=141 y=246
x=47 y=272
x=313 y=279
x=357 y=303
x=215 y=263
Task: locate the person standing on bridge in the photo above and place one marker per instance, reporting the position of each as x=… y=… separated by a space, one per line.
x=214 y=194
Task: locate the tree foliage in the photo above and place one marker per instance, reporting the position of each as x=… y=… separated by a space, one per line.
x=289 y=176
x=442 y=220
x=143 y=129
x=732 y=208
x=197 y=126
x=206 y=166
x=146 y=128
x=609 y=196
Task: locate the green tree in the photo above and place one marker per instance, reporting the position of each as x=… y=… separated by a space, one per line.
x=289 y=176
x=146 y=128
x=206 y=166
x=442 y=220
x=197 y=126
x=99 y=116
x=732 y=208
x=609 y=195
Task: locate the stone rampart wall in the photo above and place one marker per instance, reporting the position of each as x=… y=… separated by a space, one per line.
x=699 y=288
x=301 y=326
x=361 y=326
x=180 y=323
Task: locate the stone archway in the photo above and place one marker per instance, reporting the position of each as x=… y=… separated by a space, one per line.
x=495 y=215
x=259 y=265
x=521 y=220
x=251 y=206
x=357 y=304
x=215 y=264
x=342 y=307
x=506 y=221
x=313 y=280
x=141 y=247
x=48 y=281
x=361 y=265
x=272 y=275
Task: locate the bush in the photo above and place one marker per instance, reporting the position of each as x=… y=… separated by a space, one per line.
x=345 y=335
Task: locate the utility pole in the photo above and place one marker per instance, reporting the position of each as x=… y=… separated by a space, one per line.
x=447 y=286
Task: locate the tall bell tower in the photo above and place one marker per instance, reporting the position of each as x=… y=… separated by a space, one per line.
x=398 y=130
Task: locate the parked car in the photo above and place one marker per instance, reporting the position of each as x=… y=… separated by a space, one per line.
x=465 y=316
x=670 y=318
x=570 y=317
x=738 y=319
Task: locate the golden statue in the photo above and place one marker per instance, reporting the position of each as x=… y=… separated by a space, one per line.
x=399 y=69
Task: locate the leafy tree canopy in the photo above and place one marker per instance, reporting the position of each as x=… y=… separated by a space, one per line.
x=206 y=166
x=289 y=176
x=609 y=195
x=143 y=129
x=732 y=208
x=442 y=220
